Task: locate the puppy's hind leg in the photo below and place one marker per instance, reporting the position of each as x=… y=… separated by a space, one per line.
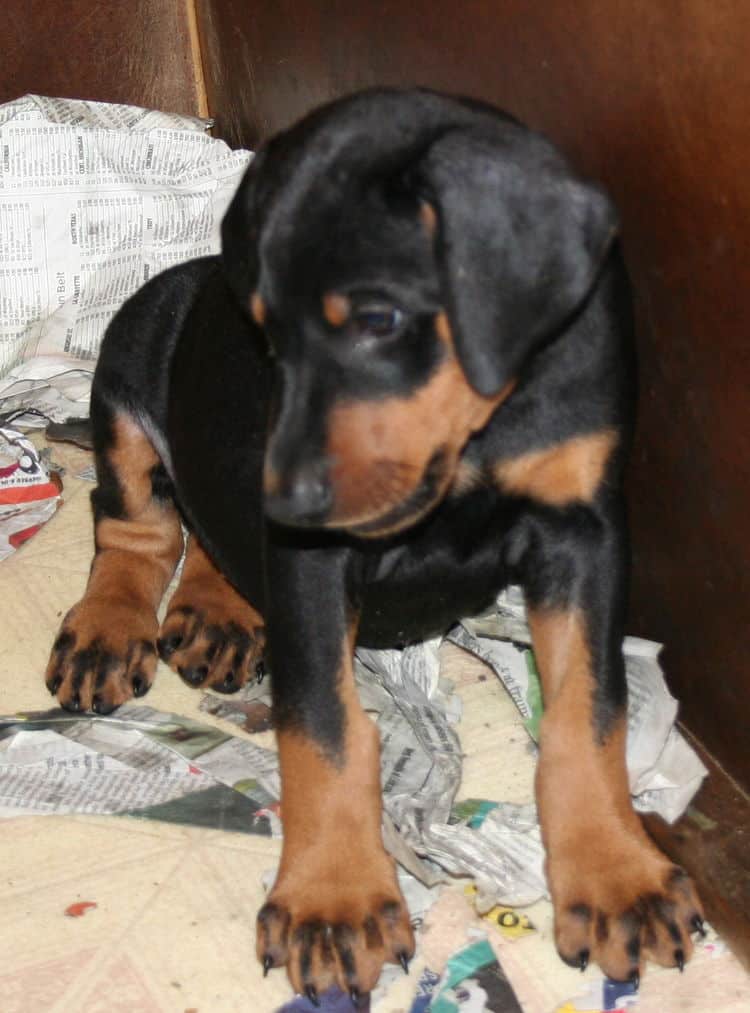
x=105 y=652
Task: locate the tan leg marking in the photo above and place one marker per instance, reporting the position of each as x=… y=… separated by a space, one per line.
x=568 y=472
x=617 y=898
x=258 y=308
x=211 y=636
x=335 y=913
x=105 y=652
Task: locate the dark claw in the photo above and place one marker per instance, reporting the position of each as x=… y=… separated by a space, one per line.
x=260 y=671
x=55 y=684
x=267 y=964
x=101 y=706
x=403 y=959
x=193 y=676
x=168 y=645
x=312 y=994
x=354 y=995
x=679 y=958
x=228 y=685
x=696 y=924
x=140 y=686
x=635 y=979
x=583 y=960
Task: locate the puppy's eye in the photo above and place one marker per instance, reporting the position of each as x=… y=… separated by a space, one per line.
x=377 y=320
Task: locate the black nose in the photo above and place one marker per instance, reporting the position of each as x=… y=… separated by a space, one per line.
x=303 y=496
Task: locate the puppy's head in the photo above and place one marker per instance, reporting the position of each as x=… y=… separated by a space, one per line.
x=405 y=253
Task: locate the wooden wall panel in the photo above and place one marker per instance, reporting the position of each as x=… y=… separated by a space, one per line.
x=139 y=52
x=655 y=100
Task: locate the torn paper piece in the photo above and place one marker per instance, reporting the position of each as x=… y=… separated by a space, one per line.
x=511 y=923
x=602 y=994
x=474 y=982
x=503 y=855
x=426 y=986
x=29 y=495
x=333 y=1000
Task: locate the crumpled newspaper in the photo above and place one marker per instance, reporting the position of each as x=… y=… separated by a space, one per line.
x=421 y=759
x=95 y=199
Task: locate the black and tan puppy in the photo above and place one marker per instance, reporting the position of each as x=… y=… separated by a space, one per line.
x=406 y=382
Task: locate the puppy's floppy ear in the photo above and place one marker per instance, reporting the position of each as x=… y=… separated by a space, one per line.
x=519 y=242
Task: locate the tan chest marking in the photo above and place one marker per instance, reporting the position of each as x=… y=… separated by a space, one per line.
x=567 y=472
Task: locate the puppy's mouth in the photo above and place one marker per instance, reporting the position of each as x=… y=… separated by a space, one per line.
x=435 y=480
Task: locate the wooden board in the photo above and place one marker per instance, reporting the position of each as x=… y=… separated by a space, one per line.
x=141 y=52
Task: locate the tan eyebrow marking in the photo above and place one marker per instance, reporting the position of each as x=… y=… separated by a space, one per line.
x=428 y=217
x=336 y=308
x=258 y=308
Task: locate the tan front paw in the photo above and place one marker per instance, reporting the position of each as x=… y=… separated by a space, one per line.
x=104 y=655
x=620 y=905
x=208 y=648
x=336 y=929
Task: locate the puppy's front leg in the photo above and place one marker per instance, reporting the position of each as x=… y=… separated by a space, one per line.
x=335 y=913
x=617 y=898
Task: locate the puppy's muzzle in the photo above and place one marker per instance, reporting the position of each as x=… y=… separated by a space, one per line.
x=302 y=497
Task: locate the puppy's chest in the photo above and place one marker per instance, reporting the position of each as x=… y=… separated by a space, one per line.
x=450 y=567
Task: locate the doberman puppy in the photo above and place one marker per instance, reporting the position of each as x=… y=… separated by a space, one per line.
x=406 y=382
